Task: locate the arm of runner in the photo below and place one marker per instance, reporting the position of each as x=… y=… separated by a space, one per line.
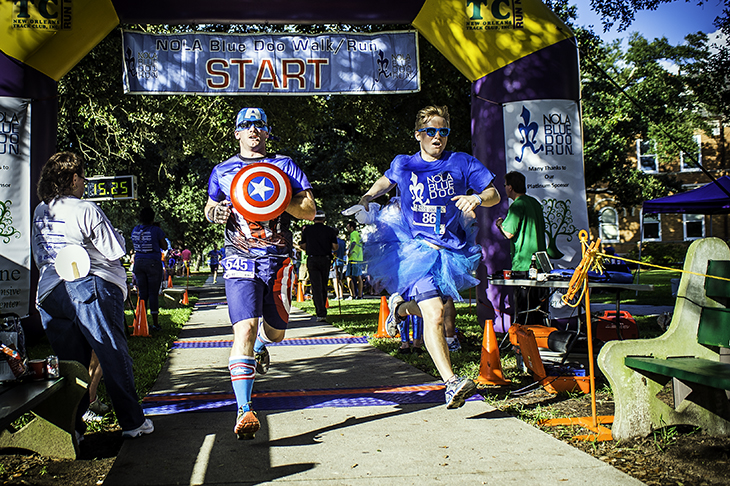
x=487 y=198
x=217 y=212
x=380 y=187
x=302 y=205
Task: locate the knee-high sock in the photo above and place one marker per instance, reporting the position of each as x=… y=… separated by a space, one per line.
x=417 y=327
x=261 y=339
x=243 y=370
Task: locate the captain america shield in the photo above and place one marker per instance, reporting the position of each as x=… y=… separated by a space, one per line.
x=260 y=192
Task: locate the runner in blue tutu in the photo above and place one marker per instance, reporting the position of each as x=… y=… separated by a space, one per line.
x=422 y=244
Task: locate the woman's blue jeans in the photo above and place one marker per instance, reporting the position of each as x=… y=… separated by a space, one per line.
x=85 y=315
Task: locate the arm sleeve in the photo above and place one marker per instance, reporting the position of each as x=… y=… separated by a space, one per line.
x=478 y=175
x=103 y=235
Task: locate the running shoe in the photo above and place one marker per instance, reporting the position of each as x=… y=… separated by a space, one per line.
x=99 y=407
x=391 y=322
x=454 y=345
x=263 y=361
x=146 y=428
x=246 y=424
x=90 y=416
x=458 y=391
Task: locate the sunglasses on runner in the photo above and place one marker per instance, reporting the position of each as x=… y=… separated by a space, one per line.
x=245 y=125
x=431 y=131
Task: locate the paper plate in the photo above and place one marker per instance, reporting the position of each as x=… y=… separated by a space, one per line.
x=72 y=263
x=260 y=192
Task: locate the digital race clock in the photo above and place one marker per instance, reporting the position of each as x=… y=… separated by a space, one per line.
x=103 y=188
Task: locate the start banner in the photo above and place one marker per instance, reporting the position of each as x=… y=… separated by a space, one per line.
x=281 y=64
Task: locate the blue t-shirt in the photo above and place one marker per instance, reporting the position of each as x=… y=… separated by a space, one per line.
x=146 y=241
x=252 y=239
x=426 y=189
x=341 y=248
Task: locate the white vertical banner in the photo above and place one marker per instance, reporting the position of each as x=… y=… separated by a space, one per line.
x=543 y=141
x=15 y=211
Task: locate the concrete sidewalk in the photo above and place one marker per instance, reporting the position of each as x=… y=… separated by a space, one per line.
x=335 y=411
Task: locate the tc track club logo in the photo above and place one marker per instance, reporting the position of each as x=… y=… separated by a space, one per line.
x=494 y=15
x=260 y=192
x=50 y=15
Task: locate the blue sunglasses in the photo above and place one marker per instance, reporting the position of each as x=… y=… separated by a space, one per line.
x=431 y=131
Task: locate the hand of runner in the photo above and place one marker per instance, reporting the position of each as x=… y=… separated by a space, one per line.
x=466 y=203
x=221 y=212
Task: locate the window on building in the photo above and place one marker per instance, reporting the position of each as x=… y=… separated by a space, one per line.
x=652 y=224
x=646 y=155
x=686 y=163
x=608 y=225
x=694 y=226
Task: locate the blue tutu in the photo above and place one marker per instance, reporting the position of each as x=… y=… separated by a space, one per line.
x=396 y=260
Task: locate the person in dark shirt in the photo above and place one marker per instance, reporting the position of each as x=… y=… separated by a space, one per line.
x=319 y=241
x=149 y=240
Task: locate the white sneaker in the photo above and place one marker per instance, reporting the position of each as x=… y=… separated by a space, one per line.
x=90 y=416
x=146 y=428
x=391 y=322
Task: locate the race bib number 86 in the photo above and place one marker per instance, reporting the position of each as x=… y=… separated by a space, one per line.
x=425 y=215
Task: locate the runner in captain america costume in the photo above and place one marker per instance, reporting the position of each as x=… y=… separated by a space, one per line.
x=258 y=270
x=423 y=248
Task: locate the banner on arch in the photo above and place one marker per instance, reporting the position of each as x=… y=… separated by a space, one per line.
x=281 y=64
x=15 y=211
x=543 y=141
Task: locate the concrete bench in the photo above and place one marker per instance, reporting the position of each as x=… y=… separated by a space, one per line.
x=172 y=298
x=54 y=404
x=692 y=355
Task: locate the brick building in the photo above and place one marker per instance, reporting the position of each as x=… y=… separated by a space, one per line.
x=620 y=228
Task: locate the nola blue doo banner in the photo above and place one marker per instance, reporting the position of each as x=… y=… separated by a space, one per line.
x=207 y=63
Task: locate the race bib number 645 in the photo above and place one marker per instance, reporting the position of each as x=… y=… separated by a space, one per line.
x=237 y=267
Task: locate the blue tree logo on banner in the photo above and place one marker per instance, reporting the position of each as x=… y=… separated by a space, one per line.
x=529 y=134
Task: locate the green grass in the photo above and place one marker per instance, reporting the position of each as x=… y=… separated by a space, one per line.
x=661 y=295
x=360 y=318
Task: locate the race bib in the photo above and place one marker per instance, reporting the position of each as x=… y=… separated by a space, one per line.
x=427 y=215
x=238 y=267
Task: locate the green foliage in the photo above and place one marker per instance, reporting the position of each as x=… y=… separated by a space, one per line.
x=664 y=254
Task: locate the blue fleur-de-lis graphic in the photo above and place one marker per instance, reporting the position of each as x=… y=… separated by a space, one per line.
x=129 y=59
x=382 y=65
x=417 y=189
x=529 y=132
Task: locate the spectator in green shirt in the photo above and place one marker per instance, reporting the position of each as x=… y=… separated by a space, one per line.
x=354 y=261
x=524 y=227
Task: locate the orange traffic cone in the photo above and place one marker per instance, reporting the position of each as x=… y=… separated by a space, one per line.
x=490 y=367
x=384 y=313
x=327 y=304
x=136 y=316
x=140 y=324
x=169 y=281
x=300 y=292
x=185 y=300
